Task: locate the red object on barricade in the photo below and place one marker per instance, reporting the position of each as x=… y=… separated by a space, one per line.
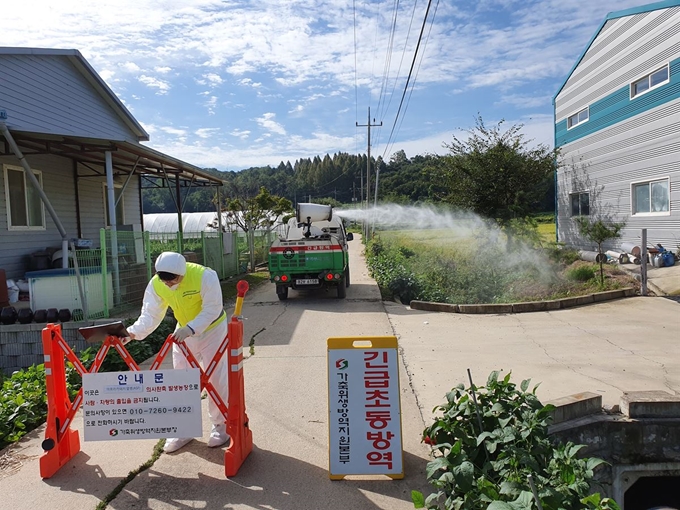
x=61 y=442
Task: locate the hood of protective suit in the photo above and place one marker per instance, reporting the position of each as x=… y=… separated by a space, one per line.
x=171 y=262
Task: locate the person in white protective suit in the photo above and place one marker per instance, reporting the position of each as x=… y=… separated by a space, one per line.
x=195 y=296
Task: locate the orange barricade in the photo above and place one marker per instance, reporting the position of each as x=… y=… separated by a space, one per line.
x=62 y=443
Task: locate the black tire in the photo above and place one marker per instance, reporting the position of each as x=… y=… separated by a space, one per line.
x=347 y=277
x=282 y=293
x=342 y=288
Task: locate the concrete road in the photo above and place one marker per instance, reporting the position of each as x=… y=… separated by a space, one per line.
x=605 y=348
x=287 y=404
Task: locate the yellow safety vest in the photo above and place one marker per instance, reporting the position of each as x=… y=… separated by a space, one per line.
x=185 y=300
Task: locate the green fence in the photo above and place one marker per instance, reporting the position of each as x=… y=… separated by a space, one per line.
x=110 y=281
x=212 y=249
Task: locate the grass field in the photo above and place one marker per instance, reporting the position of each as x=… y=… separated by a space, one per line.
x=547 y=232
x=476 y=266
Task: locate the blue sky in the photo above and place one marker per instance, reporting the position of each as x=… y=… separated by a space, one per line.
x=234 y=84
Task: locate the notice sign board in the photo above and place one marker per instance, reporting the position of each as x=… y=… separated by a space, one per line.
x=364 y=411
x=149 y=404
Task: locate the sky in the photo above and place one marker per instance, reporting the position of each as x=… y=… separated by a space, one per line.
x=233 y=84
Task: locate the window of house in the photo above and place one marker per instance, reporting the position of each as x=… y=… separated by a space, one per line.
x=578 y=118
x=651 y=197
x=580 y=204
x=117 y=192
x=649 y=82
x=25 y=210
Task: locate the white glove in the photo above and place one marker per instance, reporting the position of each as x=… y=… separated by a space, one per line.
x=183 y=333
x=128 y=339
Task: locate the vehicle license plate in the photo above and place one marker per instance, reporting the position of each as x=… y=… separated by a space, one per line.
x=310 y=281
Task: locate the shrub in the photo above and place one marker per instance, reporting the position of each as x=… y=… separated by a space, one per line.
x=23 y=403
x=581 y=273
x=489 y=441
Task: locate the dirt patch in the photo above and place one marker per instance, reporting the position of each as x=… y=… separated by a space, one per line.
x=11 y=462
x=567 y=285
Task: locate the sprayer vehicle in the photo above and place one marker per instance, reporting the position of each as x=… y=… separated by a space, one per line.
x=312 y=253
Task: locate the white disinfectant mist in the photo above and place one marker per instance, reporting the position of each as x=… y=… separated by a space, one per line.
x=463 y=230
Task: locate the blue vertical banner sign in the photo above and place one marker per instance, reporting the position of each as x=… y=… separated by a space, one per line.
x=364 y=408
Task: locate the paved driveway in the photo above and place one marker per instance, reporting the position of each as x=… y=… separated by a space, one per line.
x=607 y=348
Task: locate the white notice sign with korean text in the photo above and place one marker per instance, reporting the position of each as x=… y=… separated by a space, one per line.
x=364 y=407
x=149 y=404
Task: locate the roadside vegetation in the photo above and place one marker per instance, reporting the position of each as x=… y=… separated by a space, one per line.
x=491 y=450
x=436 y=265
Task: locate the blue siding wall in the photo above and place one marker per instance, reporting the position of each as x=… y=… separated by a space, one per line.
x=618 y=106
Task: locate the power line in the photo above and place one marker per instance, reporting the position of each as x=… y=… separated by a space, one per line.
x=422 y=57
x=410 y=73
x=388 y=56
x=403 y=54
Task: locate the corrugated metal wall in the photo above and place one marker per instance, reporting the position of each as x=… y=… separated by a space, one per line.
x=624 y=140
x=47 y=94
x=59 y=184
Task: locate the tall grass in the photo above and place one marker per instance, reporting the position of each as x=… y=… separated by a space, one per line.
x=430 y=266
x=440 y=266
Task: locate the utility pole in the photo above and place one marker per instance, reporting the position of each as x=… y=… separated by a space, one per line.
x=368 y=165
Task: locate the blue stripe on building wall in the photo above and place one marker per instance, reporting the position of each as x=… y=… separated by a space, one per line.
x=618 y=106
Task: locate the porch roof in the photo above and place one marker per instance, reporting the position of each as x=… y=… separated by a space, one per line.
x=127 y=157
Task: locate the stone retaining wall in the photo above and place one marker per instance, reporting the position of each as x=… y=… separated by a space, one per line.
x=21 y=344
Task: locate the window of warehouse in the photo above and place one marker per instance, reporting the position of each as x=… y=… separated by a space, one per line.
x=25 y=210
x=651 y=197
x=649 y=82
x=580 y=204
x=578 y=118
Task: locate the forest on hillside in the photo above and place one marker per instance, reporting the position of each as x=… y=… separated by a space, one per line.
x=495 y=163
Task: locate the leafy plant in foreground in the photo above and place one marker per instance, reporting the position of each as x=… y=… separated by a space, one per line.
x=486 y=452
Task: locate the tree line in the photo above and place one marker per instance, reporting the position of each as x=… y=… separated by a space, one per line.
x=494 y=172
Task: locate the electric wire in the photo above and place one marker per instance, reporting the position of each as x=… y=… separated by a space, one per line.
x=403 y=54
x=388 y=58
x=356 y=83
x=410 y=73
x=422 y=57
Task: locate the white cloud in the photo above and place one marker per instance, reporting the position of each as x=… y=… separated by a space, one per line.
x=130 y=67
x=162 y=70
x=242 y=134
x=150 y=81
x=174 y=131
x=210 y=104
x=267 y=122
x=206 y=132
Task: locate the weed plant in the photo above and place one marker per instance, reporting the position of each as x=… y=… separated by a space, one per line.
x=581 y=273
x=426 y=266
x=490 y=443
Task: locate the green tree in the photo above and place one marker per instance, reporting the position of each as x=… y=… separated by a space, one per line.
x=599 y=230
x=495 y=173
x=257 y=212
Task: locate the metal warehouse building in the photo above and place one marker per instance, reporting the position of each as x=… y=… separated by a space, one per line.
x=617 y=125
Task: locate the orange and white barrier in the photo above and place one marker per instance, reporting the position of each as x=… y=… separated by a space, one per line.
x=62 y=443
